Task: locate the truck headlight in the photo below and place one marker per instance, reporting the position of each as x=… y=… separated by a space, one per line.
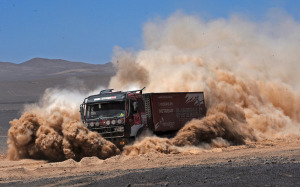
x=119 y=121
x=92 y=124
x=113 y=122
x=119 y=129
x=107 y=122
x=122 y=142
x=97 y=124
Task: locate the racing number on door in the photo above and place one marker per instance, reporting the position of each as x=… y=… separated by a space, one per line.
x=137 y=119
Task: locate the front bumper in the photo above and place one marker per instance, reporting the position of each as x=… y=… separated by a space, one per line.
x=108 y=132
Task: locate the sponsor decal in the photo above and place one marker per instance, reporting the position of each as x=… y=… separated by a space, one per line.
x=165 y=97
x=105 y=98
x=166 y=111
x=196 y=98
x=165 y=104
x=137 y=119
x=144 y=118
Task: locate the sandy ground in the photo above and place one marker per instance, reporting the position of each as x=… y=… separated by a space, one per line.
x=267 y=162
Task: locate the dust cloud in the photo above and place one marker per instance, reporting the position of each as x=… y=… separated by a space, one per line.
x=53 y=130
x=248 y=71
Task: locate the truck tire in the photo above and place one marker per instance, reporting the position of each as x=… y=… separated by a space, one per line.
x=140 y=132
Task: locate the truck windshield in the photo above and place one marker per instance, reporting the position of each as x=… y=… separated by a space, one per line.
x=106 y=110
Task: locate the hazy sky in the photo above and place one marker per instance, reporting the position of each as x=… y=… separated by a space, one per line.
x=88 y=30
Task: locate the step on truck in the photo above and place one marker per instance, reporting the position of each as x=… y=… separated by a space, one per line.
x=122 y=116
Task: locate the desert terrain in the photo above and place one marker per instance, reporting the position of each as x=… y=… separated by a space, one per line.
x=264 y=163
x=274 y=161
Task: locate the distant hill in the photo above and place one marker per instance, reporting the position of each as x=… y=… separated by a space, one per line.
x=26 y=82
x=37 y=68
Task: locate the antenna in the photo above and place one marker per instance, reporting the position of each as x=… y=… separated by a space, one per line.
x=141 y=90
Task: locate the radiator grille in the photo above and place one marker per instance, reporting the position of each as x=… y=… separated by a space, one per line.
x=108 y=132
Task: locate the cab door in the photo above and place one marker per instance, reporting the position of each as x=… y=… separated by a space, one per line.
x=137 y=119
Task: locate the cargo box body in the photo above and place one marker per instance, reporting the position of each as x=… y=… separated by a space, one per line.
x=170 y=111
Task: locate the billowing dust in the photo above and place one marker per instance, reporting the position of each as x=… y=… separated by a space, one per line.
x=53 y=130
x=248 y=71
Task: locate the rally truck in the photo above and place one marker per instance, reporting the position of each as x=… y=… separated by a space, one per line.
x=123 y=115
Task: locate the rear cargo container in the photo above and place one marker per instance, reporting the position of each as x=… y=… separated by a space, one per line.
x=171 y=111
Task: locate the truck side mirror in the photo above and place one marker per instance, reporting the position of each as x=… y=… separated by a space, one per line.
x=82 y=112
x=135 y=106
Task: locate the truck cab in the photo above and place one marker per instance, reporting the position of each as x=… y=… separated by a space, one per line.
x=116 y=116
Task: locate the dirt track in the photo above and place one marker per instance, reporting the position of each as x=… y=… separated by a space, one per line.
x=267 y=162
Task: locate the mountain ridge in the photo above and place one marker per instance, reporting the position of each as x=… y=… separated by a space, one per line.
x=40 y=61
x=46 y=60
x=37 y=68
